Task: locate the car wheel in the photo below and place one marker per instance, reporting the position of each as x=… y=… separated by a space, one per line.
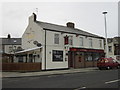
x=108 y=67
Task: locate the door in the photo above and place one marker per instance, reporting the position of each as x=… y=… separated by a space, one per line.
x=79 y=60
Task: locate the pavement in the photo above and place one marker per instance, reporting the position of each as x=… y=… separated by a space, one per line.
x=40 y=73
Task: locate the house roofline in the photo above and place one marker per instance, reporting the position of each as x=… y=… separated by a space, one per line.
x=72 y=33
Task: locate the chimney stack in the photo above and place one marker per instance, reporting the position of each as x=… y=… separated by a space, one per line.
x=70 y=25
x=9 y=36
x=32 y=18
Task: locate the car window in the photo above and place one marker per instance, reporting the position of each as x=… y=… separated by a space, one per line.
x=102 y=60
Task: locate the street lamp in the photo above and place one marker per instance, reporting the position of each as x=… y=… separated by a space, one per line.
x=106 y=34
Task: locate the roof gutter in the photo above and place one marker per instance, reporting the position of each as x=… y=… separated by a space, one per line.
x=72 y=33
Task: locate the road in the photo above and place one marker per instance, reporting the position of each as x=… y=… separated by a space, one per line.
x=77 y=81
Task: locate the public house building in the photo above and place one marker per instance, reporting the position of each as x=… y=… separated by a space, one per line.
x=59 y=47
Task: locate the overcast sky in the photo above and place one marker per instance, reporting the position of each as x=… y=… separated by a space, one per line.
x=86 y=16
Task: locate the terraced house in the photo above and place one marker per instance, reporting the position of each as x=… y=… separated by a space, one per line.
x=58 y=47
x=8 y=48
x=114 y=47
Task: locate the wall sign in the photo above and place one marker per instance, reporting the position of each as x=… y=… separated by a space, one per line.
x=57 y=55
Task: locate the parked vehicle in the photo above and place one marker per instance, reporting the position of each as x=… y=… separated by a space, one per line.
x=118 y=61
x=107 y=63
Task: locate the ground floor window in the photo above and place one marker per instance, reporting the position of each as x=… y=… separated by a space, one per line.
x=30 y=57
x=93 y=56
x=96 y=56
x=88 y=56
x=20 y=59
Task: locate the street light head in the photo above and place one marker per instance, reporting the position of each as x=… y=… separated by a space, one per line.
x=104 y=12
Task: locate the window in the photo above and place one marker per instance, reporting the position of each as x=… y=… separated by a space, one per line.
x=10 y=49
x=70 y=40
x=96 y=56
x=100 y=43
x=88 y=56
x=20 y=59
x=110 y=48
x=90 y=42
x=81 y=41
x=56 y=38
x=66 y=40
x=57 y=55
x=15 y=41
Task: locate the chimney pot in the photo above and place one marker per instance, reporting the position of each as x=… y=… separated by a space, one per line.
x=34 y=16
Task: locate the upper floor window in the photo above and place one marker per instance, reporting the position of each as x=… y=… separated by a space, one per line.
x=10 y=49
x=56 y=38
x=110 y=48
x=81 y=41
x=15 y=41
x=70 y=40
x=66 y=40
x=90 y=43
x=100 y=43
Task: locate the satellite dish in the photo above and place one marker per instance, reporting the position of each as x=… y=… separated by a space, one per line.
x=35 y=42
x=19 y=48
x=39 y=44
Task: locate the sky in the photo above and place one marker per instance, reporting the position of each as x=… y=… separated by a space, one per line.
x=87 y=16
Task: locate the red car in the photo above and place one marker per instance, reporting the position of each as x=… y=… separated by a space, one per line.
x=107 y=63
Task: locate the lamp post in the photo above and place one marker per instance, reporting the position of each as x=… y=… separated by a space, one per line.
x=106 y=34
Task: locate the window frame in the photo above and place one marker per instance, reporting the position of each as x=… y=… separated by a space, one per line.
x=81 y=41
x=110 y=49
x=56 y=38
x=88 y=56
x=90 y=42
x=100 y=43
x=70 y=40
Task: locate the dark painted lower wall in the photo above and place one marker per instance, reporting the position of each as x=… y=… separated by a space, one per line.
x=21 y=66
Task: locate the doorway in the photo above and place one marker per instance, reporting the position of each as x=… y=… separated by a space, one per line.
x=71 y=59
x=76 y=59
x=79 y=60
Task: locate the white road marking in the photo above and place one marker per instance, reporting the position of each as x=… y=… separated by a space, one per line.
x=112 y=81
x=80 y=88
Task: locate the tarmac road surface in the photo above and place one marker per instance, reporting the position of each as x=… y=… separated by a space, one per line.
x=76 y=81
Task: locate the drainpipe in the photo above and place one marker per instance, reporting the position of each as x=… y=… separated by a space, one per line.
x=45 y=49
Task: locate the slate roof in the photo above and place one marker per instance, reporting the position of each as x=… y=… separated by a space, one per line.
x=65 y=29
x=10 y=41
